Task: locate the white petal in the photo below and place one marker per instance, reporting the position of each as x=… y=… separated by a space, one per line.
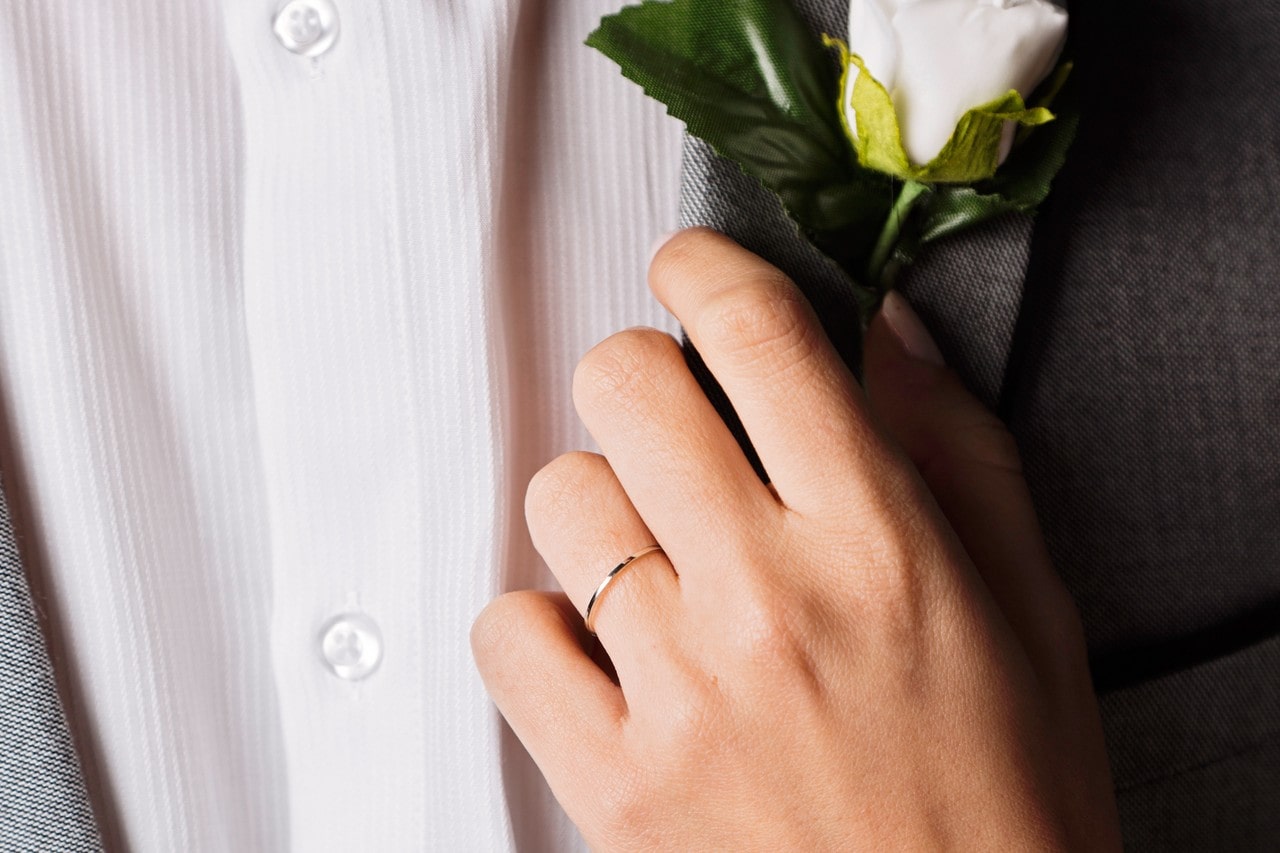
x=872 y=37
x=947 y=56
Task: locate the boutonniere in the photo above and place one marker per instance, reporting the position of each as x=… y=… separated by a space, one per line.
x=930 y=117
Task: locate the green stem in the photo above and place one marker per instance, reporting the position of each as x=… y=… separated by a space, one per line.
x=877 y=272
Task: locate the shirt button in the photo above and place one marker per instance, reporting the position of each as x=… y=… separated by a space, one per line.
x=352 y=645
x=307 y=27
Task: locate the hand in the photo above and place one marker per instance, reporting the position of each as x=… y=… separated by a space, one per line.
x=874 y=652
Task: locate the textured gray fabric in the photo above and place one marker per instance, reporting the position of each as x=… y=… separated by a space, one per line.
x=43 y=802
x=1168 y=726
x=1146 y=385
x=968 y=291
x=1132 y=341
x=1196 y=754
x=1145 y=392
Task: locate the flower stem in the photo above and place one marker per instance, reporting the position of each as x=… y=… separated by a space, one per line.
x=878 y=272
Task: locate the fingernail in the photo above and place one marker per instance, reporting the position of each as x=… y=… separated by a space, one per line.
x=663 y=239
x=907 y=327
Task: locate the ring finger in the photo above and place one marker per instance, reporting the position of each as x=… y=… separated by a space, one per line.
x=583 y=524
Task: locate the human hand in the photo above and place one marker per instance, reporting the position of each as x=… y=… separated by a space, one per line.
x=872 y=652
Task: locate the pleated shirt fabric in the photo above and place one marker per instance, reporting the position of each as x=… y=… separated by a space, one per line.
x=283 y=338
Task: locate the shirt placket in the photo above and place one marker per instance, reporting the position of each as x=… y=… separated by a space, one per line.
x=357 y=350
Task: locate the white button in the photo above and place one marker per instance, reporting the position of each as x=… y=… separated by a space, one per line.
x=352 y=645
x=307 y=27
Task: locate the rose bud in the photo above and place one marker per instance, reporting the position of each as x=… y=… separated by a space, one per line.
x=938 y=60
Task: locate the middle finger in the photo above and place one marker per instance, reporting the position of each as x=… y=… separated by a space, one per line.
x=763 y=342
x=680 y=465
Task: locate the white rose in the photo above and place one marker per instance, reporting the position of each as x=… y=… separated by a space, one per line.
x=940 y=58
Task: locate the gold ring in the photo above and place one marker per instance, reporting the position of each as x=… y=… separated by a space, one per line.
x=590 y=619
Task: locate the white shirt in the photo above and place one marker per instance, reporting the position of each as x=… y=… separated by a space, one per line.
x=283 y=338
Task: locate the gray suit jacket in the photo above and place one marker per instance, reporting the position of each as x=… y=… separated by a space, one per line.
x=43 y=803
x=1129 y=338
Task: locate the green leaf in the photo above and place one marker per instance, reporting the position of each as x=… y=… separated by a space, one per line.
x=751 y=79
x=971 y=154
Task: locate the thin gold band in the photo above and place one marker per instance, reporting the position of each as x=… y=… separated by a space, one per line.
x=608 y=579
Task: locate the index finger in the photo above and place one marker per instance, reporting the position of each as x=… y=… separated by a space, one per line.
x=800 y=405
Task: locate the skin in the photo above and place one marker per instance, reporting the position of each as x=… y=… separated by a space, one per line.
x=872 y=652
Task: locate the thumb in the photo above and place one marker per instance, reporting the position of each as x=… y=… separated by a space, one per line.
x=971 y=464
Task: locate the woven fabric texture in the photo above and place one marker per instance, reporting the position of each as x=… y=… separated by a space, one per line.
x=43 y=802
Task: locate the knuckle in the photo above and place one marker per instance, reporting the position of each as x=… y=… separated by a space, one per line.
x=892 y=597
x=772 y=628
x=766 y=322
x=625 y=808
x=780 y=635
x=692 y=719
x=885 y=532
x=683 y=249
x=764 y=631
x=498 y=626
x=564 y=484
x=992 y=445
x=982 y=442
x=889 y=564
x=622 y=369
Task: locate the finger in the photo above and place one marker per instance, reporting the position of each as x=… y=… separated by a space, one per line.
x=528 y=647
x=971 y=465
x=679 y=464
x=583 y=524
x=762 y=341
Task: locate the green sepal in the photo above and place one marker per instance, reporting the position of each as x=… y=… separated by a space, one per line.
x=971 y=154
x=1025 y=179
x=752 y=80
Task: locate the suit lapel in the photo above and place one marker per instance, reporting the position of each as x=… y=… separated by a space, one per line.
x=967 y=288
x=43 y=801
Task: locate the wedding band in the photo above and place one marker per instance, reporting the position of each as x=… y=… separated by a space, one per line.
x=590 y=619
